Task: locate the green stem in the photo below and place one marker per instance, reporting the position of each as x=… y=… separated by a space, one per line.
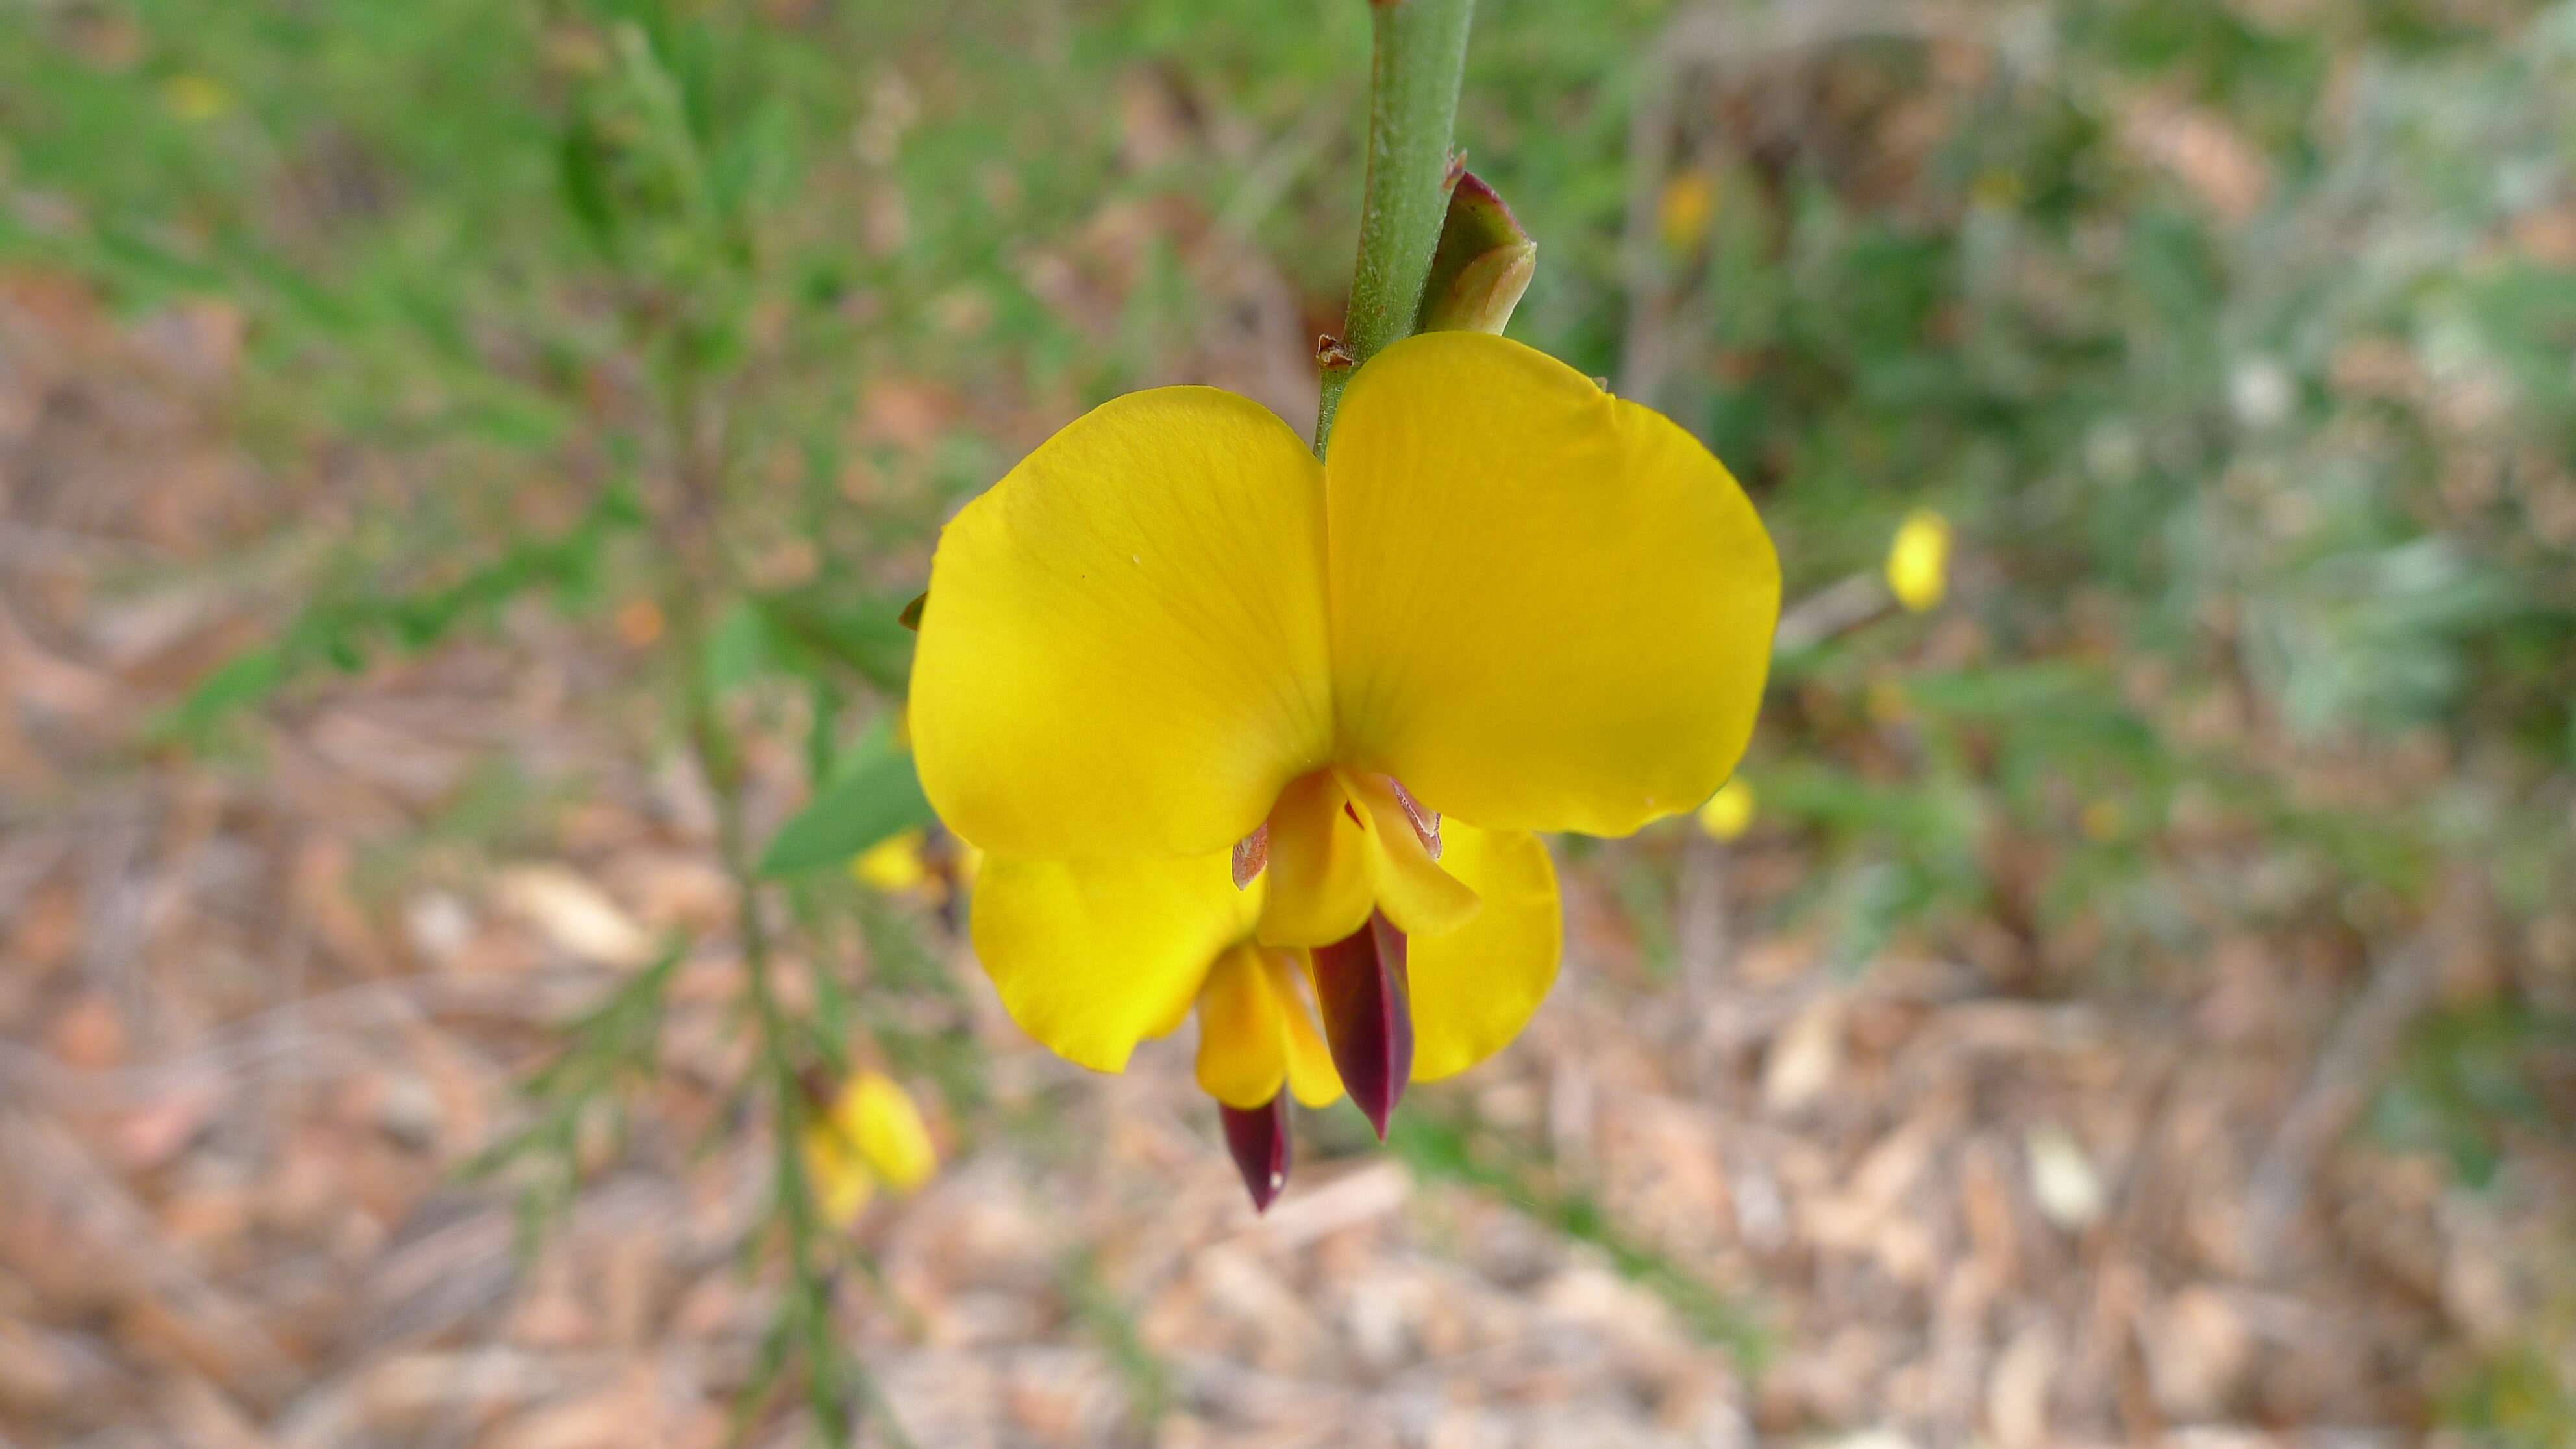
x=1413 y=114
x=840 y=1388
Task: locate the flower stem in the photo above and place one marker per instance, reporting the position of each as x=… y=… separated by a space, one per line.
x=1421 y=50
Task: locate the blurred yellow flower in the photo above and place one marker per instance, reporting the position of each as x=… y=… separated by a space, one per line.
x=1729 y=812
x=1918 y=561
x=2103 y=821
x=1998 y=190
x=195 y=97
x=910 y=863
x=1887 y=702
x=870 y=1133
x=1171 y=655
x=893 y=865
x=1684 y=210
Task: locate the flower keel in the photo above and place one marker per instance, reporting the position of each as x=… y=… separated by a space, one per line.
x=1258 y=1138
x=1366 y=1003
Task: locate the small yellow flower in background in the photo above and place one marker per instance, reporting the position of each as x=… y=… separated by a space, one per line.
x=870 y=1133
x=1887 y=702
x=1237 y=726
x=1729 y=812
x=2103 y=821
x=1918 y=561
x=195 y=97
x=1997 y=190
x=893 y=865
x=910 y=863
x=1684 y=210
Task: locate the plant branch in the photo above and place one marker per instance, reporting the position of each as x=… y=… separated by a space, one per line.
x=838 y=1387
x=1421 y=51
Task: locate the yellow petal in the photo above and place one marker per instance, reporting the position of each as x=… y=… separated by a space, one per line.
x=879 y=1119
x=1918 y=560
x=840 y=1181
x=1551 y=609
x=1475 y=987
x=195 y=97
x=1124 y=646
x=1729 y=812
x=1684 y=210
x=893 y=865
x=1311 y=1074
x=1091 y=957
x=1242 y=1038
x=1341 y=844
x=1411 y=887
x=1320 y=878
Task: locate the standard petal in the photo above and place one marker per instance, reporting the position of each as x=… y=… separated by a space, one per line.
x=1124 y=646
x=1551 y=609
x=1475 y=987
x=1092 y=957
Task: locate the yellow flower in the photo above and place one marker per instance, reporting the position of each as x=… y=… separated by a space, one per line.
x=908 y=863
x=1887 y=703
x=1171 y=656
x=1729 y=812
x=871 y=1133
x=894 y=865
x=1685 y=208
x=1918 y=561
x=193 y=97
x=2103 y=821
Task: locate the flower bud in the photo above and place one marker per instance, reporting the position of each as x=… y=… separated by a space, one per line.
x=1483 y=264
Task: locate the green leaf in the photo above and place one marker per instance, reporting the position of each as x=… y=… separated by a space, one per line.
x=867 y=804
x=737 y=649
x=861 y=633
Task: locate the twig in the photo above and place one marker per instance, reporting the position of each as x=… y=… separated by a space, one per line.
x=698 y=431
x=2404 y=983
x=289 y=1030
x=42 y=1163
x=1837 y=608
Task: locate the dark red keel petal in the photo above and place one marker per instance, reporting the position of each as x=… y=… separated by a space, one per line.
x=1251 y=854
x=1258 y=1138
x=1367 y=1006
